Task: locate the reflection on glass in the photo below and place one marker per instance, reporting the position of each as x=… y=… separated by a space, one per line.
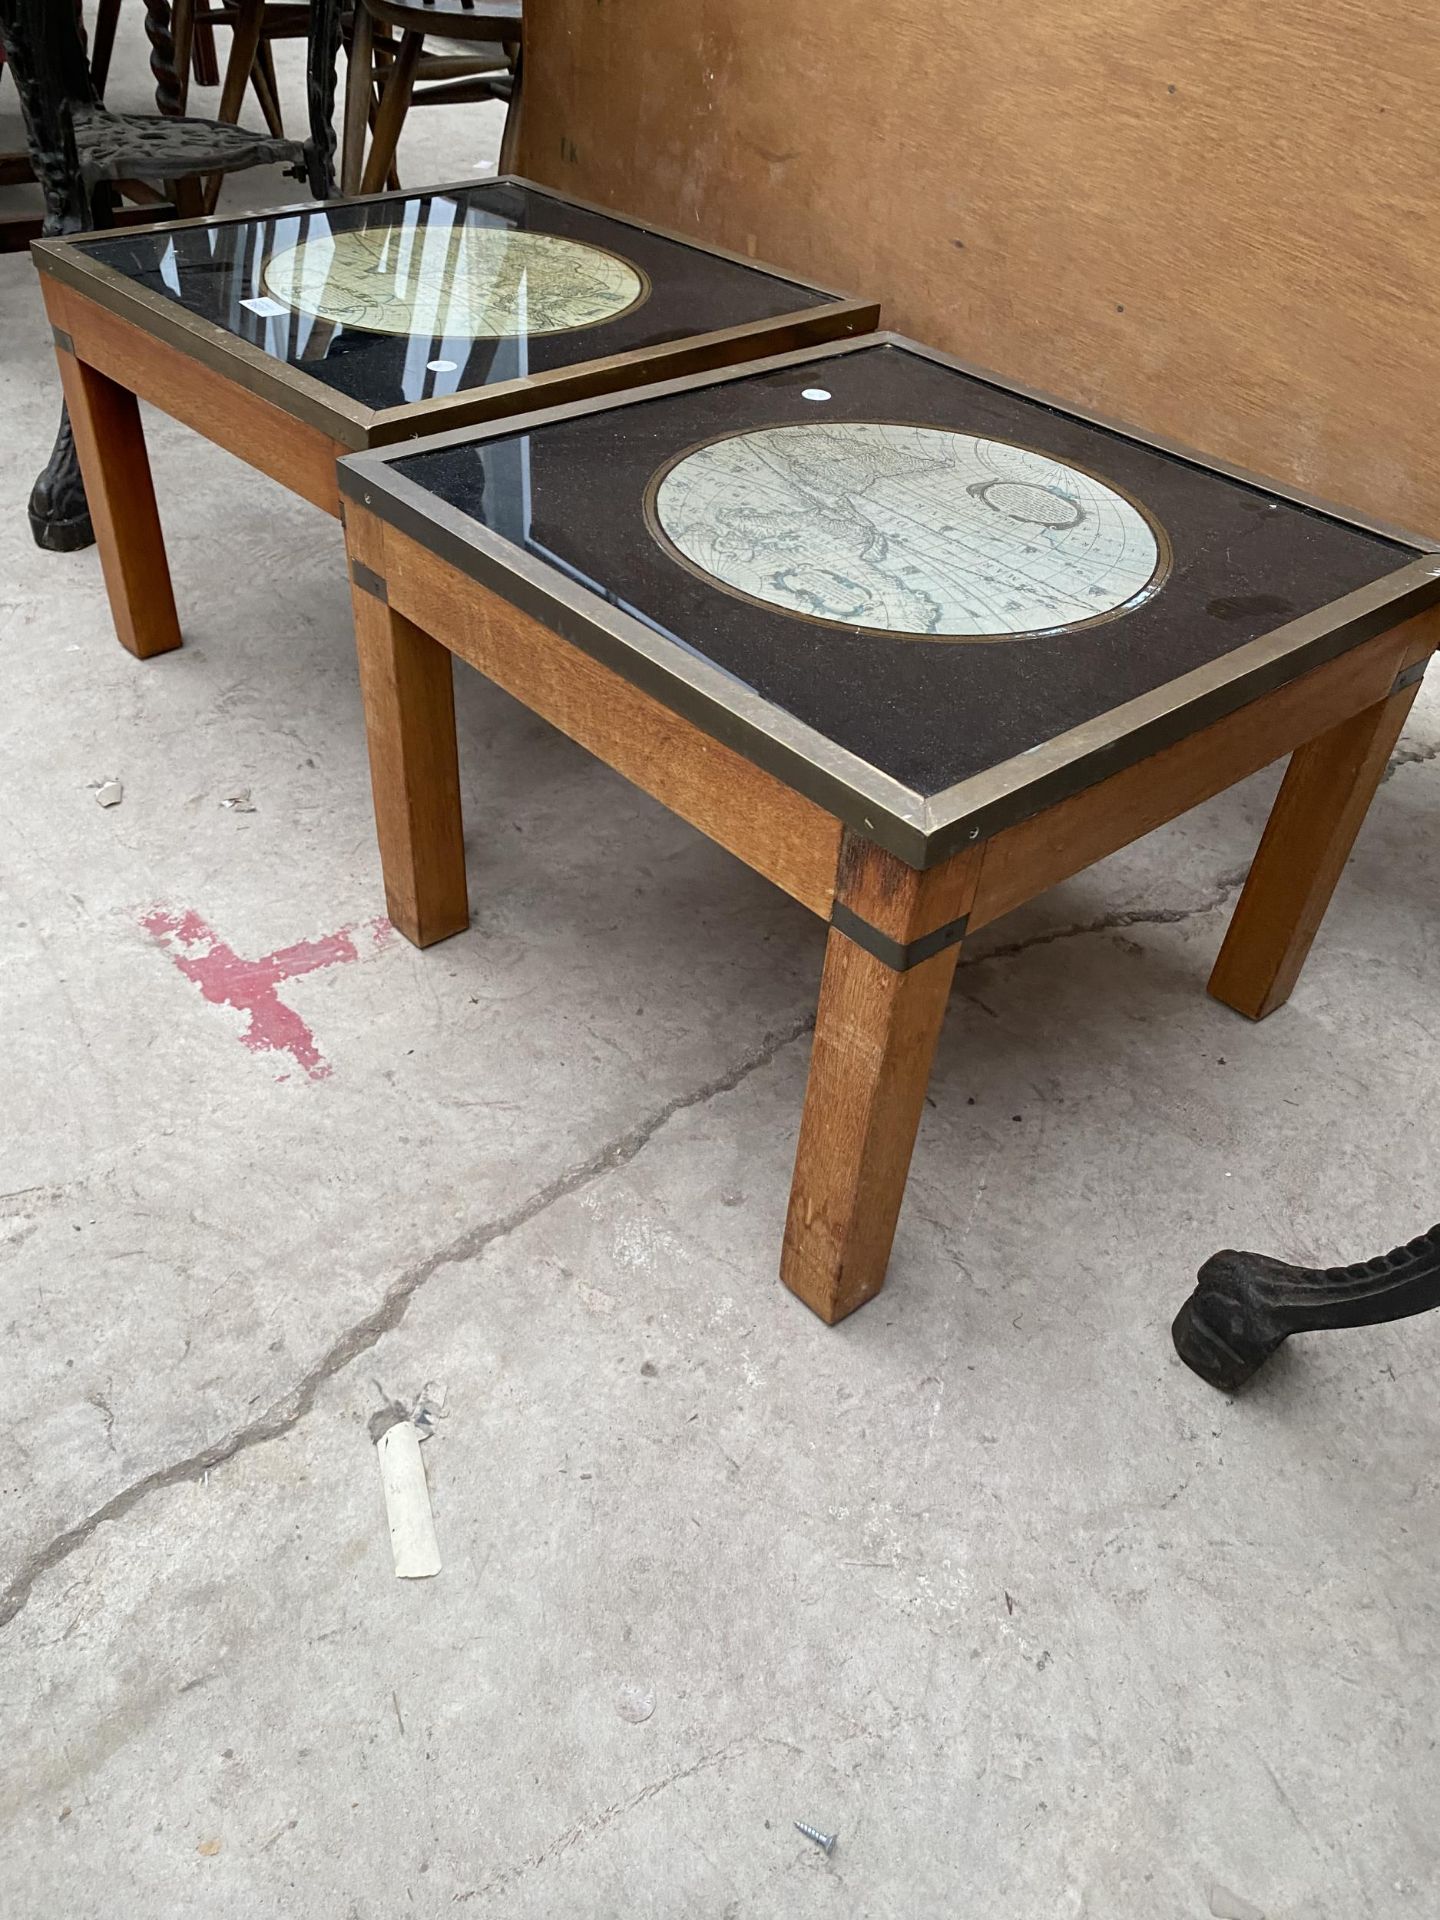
x=467 y=283
x=401 y=300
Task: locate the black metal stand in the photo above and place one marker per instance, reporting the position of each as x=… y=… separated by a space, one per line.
x=1245 y=1305
x=59 y=512
x=79 y=149
x=59 y=516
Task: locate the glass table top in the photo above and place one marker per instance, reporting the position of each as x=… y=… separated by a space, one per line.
x=423 y=295
x=928 y=569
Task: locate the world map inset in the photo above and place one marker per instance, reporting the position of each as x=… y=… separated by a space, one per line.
x=915 y=531
x=456 y=282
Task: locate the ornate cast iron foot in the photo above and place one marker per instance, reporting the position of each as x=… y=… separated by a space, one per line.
x=1245 y=1305
x=59 y=515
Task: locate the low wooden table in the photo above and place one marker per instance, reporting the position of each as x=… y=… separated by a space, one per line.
x=297 y=336
x=915 y=644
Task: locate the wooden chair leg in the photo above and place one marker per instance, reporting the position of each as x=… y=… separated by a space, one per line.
x=267 y=87
x=1318 y=811
x=875 y=1034
x=187 y=196
x=110 y=440
x=205 y=61
x=397 y=87
x=102 y=47
x=510 y=139
x=406 y=682
x=244 y=45
x=359 y=99
x=386 y=48
x=182 y=23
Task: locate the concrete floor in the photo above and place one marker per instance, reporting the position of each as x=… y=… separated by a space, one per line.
x=983 y=1579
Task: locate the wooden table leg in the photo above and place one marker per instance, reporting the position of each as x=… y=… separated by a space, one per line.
x=105 y=419
x=406 y=681
x=1318 y=811
x=875 y=1035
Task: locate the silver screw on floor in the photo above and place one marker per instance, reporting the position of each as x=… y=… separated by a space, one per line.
x=825 y=1841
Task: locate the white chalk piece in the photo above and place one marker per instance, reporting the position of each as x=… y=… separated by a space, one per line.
x=267 y=308
x=407 y=1503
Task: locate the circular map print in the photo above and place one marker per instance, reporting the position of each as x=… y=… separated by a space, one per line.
x=475 y=282
x=907 y=530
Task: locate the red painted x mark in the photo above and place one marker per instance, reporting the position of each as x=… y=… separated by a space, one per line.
x=226 y=979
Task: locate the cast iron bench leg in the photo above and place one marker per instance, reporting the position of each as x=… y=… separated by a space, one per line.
x=59 y=514
x=1245 y=1305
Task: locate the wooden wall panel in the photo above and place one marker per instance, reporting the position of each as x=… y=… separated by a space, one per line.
x=1215 y=217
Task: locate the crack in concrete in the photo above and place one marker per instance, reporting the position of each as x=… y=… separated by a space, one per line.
x=1111 y=922
x=586 y=1828
x=384 y=1318
x=30 y=1193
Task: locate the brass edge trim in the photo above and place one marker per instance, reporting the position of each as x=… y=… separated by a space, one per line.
x=211 y=346
x=851 y=789
x=91 y=234
x=897 y=955
x=1412 y=675
x=444 y=188
x=609 y=375
x=741 y=370
x=1176 y=449
x=671 y=233
x=1026 y=784
x=373 y=459
x=441 y=188
x=368 y=581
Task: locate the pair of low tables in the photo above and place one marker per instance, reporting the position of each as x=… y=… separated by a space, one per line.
x=913 y=642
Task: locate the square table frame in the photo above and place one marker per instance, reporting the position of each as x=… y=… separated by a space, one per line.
x=902 y=880
x=118 y=343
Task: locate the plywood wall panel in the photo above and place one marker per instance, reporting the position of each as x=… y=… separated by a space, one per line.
x=1217 y=219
